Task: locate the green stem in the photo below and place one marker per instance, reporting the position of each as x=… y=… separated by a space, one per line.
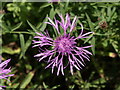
x=22 y=32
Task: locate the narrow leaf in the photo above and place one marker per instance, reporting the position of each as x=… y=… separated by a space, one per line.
x=90 y=22
x=22 y=43
x=32 y=26
x=44 y=24
x=27 y=79
x=93 y=43
x=27 y=44
x=16 y=26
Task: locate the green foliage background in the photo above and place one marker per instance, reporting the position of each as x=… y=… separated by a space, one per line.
x=21 y=20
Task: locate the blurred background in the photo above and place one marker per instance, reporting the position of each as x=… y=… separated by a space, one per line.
x=20 y=21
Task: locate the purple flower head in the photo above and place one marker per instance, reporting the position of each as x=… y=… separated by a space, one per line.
x=63 y=51
x=3 y=71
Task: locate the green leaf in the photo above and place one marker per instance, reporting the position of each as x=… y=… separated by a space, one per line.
x=27 y=79
x=91 y=36
x=1 y=15
x=44 y=6
x=92 y=29
x=62 y=9
x=16 y=26
x=90 y=22
x=5 y=27
x=44 y=85
x=115 y=46
x=26 y=45
x=28 y=67
x=31 y=32
x=99 y=81
x=93 y=43
x=22 y=43
x=34 y=86
x=118 y=87
x=105 y=43
x=91 y=75
x=15 y=85
x=33 y=27
x=44 y=24
x=39 y=25
x=52 y=13
x=110 y=13
x=55 y=87
x=66 y=5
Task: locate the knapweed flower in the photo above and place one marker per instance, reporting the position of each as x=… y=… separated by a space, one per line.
x=62 y=51
x=4 y=73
